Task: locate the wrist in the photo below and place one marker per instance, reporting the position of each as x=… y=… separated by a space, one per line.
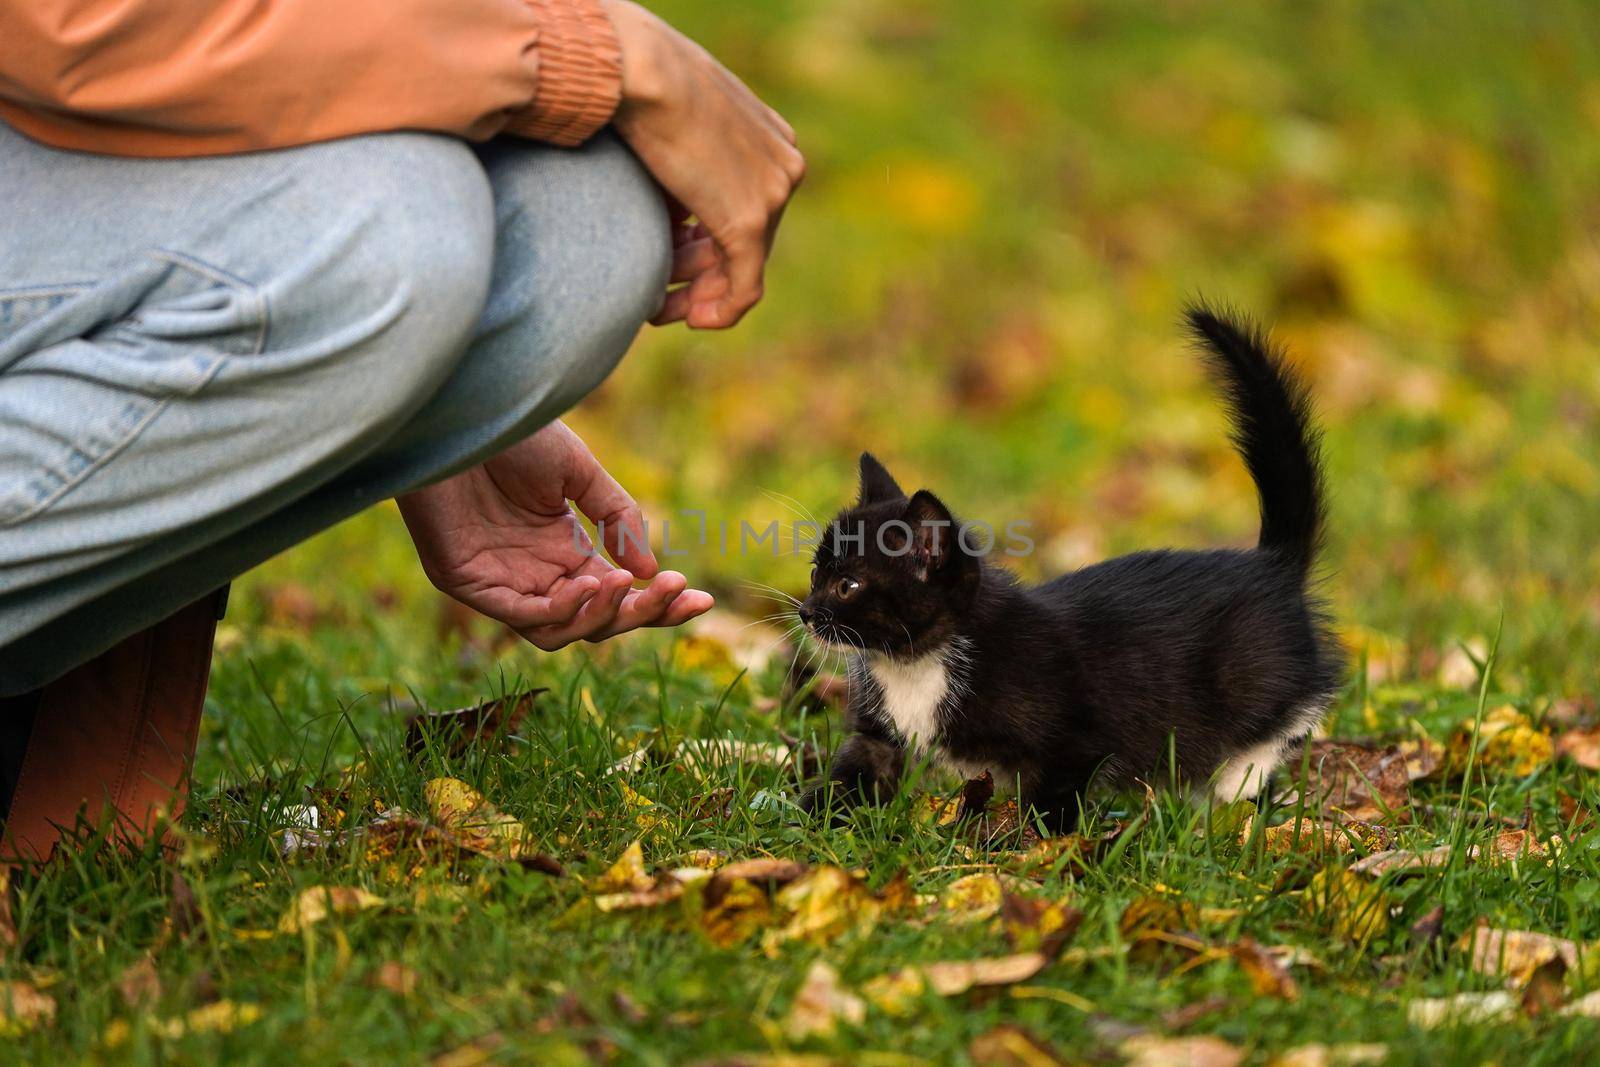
x=641 y=36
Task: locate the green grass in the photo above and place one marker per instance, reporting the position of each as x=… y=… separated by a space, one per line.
x=980 y=282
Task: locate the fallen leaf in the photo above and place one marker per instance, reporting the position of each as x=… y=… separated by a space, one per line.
x=477 y=826
x=1268 y=977
x=971 y=899
x=821 y=1004
x=1546 y=989
x=1150 y=1050
x=1357 y=910
x=1320 y=1055
x=1587 y=1006
x=647 y=814
x=1512 y=845
x=822 y=905
x=1401 y=861
x=1514 y=954
x=1363 y=781
x=1581 y=747
x=454 y=733
x=739 y=909
x=1427 y=929
x=626 y=873
x=1508 y=743
x=766 y=872
x=218 y=1017
x=1321 y=838
x=1185 y=1016
x=1032 y=924
x=1431 y=1013
x=24 y=1007
x=1011 y=1046
x=395 y=977
x=139 y=984
x=474 y=1053
x=317 y=903
x=951 y=977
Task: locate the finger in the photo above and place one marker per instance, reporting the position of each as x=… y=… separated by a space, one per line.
x=675 y=308
x=783 y=126
x=685 y=606
x=743 y=262
x=616 y=516
x=598 y=613
x=691 y=260
x=642 y=607
x=520 y=611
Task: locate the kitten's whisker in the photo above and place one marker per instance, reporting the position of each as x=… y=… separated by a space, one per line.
x=791 y=503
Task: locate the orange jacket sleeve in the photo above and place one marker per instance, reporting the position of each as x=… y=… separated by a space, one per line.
x=203 y=77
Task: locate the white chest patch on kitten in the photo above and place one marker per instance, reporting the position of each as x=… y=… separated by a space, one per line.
x=912 y=693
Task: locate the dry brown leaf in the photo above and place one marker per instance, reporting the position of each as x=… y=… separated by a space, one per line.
x=1151 y=1050
x=24 y=1007
x=1512 y=845
x=394 y=976
x=973 y=898
x=1031 y=924
x=1401 y=860
x=1581 y=747
x=1320 y=1055
x=1546 y=989
x=951 y=977
x=1011 y=1046
x=821 y=1004
x=454 y=733
x=1358 y=779
x=1356 y=909
x=1268 y=977
x=317 y=903
x=1430 y=1013
x=1515 y=954
x=139 y=984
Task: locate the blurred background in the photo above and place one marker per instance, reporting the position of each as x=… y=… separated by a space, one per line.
x=1007 y=207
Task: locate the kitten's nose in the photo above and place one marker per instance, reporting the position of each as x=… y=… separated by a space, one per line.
x=805 y=614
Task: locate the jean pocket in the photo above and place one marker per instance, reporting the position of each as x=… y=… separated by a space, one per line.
x=114 y=356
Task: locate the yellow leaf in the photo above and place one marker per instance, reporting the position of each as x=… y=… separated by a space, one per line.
x=741 y=910
x=972 y=899
x=1356 y=909
x=218 y=1017
x=464 y=811
x=1507 y=744
x=822 y=905
x=821 y=1004
x=315 y=904
x=897 y=992
x=1011 y=1046
x=647 y=815
x=627 y=873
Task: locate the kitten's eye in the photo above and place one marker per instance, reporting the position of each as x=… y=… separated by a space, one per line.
x=846 y=588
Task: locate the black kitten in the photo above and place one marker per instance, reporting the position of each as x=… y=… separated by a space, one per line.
x=1222 y=659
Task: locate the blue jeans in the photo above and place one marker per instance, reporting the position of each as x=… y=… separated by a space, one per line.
x=203 y=362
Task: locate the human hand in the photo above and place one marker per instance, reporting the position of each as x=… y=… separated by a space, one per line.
x=723 y=157
x=502 y=539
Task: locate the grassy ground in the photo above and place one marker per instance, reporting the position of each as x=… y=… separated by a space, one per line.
x=980 y=282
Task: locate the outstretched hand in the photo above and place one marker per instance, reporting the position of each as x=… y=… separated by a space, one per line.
x=502 y=539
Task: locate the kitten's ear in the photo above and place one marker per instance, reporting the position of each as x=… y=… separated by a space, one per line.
x=877 y=484
x=933 y=533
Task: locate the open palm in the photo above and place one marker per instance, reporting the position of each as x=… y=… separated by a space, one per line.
x=503 y=539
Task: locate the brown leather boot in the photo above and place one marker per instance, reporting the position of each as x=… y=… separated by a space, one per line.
x=114 y=739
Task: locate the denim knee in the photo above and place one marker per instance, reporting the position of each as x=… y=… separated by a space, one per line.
x=380 y=307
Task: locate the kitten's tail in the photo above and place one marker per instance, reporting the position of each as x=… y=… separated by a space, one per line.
x=1273 y=429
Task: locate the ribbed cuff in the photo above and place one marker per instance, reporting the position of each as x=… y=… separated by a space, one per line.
x=580 y=74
